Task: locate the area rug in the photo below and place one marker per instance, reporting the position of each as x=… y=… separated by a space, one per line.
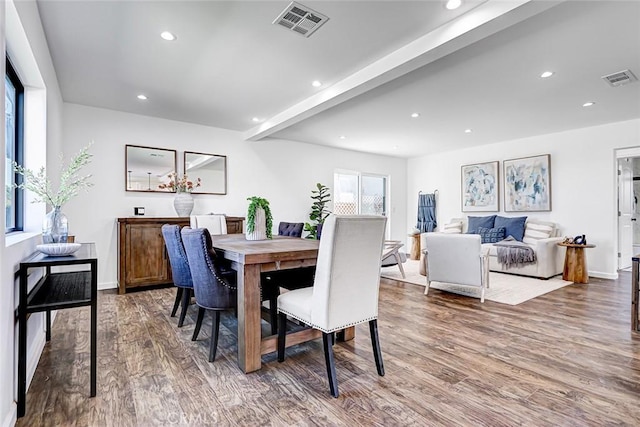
x=503 y=288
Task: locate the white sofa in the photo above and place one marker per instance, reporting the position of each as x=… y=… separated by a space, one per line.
x=549 y=256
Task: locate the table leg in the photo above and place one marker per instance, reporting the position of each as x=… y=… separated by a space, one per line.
x=565 y=268
x=575 y=266
x=94 y=328
x=22 y=366
x=249 y=331
x=48 y=326
x=415 y=247
x=22 y=345
x=347 y=334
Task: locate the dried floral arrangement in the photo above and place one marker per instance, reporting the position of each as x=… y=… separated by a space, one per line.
x=180 y=184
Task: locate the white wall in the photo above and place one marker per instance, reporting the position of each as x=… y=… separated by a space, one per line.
x=26 y=44
x=283 y=172
x=583 y=180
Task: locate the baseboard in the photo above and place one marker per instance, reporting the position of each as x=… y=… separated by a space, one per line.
x=11 y=418
x=603 y=275
x=107 y=285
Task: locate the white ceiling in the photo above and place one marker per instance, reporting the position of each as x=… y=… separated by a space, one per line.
x=379 y=61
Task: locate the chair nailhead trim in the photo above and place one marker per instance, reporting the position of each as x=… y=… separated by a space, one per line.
x=327 y=331
x=212 y=267
x=181 y=251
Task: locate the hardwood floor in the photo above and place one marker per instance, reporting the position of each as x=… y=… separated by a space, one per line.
x=566 y=358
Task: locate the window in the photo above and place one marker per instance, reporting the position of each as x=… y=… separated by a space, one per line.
x=14 y=118
x=346 y=194
x=357 y=193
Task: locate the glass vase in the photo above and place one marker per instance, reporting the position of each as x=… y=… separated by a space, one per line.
x=183 y=203
x=55 y=228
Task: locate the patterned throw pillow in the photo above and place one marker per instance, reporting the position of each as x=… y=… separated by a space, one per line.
x=491 y=235
x=480 y=221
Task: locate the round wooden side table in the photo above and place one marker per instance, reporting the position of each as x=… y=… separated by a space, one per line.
x=415 y=246
x=575 y=263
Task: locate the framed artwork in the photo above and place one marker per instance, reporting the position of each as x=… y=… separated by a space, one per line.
x=480 y=187
x=527 y=184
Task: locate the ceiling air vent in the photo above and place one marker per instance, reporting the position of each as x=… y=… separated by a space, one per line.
x=620 y=78
x=300 y=19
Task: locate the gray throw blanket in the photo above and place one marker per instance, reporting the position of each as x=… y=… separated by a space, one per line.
x=514 y=253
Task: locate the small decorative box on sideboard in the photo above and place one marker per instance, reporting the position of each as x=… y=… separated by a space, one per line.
x=142 y=257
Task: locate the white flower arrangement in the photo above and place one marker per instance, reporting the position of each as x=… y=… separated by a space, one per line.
x=70 y=181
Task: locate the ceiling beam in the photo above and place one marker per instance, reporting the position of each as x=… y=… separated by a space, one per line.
x=486 y=19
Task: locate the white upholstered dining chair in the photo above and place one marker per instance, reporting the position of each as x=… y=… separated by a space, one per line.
x=214 y=223
x=345 y=289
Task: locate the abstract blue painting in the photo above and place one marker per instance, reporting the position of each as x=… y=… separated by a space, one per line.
x=480 y=187
x=527 y=184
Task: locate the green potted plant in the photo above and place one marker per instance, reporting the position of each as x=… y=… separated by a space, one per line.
x=319 y=211
x=259 y=219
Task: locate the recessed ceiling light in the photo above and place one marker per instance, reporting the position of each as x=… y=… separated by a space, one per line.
x=546 y=74
x=142 y=97
x=588 y=104
x=168 y=36
x=415 y=115
x=453 y=4
x=395 y=147
x=316 y=83
x=343 y=137
x=256 y=119
x=468 y=131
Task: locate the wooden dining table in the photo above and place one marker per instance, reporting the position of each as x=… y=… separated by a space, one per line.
x=250 y=258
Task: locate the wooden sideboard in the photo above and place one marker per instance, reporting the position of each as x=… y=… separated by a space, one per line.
x=142 y=257
x=234 y=224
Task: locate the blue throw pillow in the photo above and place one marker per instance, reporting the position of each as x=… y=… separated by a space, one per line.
x=491 y=235
x=480 y=221
x=514 y=226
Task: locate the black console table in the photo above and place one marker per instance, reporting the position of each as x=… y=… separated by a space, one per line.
x=56 y=291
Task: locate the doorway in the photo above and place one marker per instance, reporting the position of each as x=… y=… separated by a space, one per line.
x=628 y=184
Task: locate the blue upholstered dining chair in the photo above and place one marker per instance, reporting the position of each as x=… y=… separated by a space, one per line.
x=179 y=269
x=345 y=290
x=215 y=291
x=293 y=229
x=299 y=277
